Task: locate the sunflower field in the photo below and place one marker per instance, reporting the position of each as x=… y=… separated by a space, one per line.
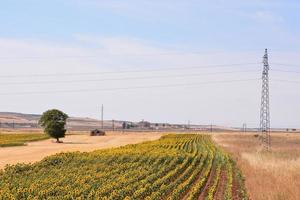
x=177 y=166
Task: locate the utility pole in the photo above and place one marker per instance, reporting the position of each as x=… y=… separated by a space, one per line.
x=265 y=106
x=113 y=125
x=244 y=127
x=102 y=109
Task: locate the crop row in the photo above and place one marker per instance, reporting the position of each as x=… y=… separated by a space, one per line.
x=177 y=166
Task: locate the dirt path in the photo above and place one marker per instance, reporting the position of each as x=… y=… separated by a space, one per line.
x=36 y=151
x=208 y=184
x=220 y=192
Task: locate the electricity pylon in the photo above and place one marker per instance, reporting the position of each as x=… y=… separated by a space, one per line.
x=265 y=106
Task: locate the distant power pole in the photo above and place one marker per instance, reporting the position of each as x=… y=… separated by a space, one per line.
x=113 y=125
x=265 y=106
x=244 y=127
x=102 y=109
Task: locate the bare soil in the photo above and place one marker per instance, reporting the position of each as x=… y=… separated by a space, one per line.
x=208 y=183
x=36 y=151
x=220 y=192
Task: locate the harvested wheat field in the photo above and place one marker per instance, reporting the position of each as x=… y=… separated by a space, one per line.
x=271 y=175
x=36 y=151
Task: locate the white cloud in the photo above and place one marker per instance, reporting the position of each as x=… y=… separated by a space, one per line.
x=24 y=47
x=120 y=45
x=263 y=16
x=22 y=55
x=148 y=11
x=203 y=104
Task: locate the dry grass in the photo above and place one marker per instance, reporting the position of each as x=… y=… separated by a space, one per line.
x=8 y=140
x=271 y=175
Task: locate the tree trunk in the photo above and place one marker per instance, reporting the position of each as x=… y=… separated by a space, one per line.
x=57 y=140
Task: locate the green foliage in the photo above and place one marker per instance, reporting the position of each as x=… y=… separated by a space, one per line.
x=53 y=122
x=174 y=167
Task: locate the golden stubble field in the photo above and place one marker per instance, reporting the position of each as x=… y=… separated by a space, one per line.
x=271 y=175
x=76 y=141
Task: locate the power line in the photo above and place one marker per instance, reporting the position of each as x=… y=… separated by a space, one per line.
x=116 y=54
x=285 y=71
x=127 y=71
x=127 y=78
x=127 y=88
x=286 y=81
x=286 y=65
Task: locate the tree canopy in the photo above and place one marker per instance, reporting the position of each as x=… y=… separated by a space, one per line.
x=54 y=121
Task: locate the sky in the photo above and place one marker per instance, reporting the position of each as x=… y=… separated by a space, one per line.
x=160 y=60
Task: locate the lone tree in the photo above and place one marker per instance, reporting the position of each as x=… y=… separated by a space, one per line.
x=53 y=122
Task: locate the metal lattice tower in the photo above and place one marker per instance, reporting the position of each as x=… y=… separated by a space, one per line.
x=265 y=107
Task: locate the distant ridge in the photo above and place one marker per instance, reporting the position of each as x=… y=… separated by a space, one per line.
x=21 y=120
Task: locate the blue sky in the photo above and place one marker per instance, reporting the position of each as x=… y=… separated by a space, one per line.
x=80 y=36
x=243 y=25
